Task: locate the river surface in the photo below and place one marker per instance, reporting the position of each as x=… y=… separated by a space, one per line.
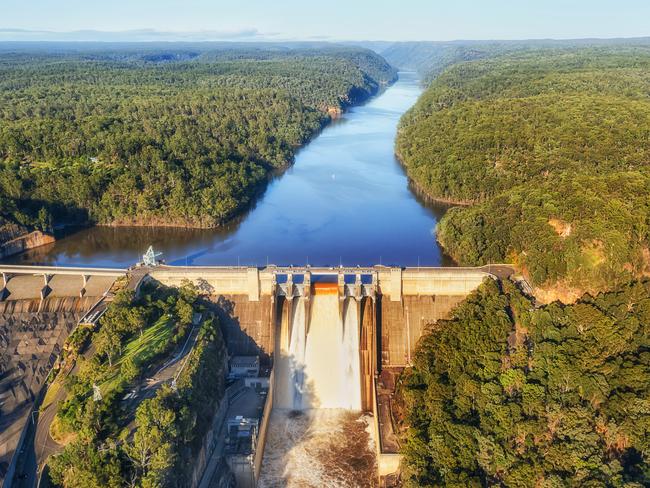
x=346 y=200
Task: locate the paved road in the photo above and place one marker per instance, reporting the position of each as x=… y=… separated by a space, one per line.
x=502 y=271
x=38 y=445
x=169 y=371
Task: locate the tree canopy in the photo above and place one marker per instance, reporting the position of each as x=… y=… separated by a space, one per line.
x=113 y=441
x=503 y=394
x=552 y=150
x=161 y=137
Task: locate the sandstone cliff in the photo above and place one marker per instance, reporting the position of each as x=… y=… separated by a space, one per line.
x=24 y=242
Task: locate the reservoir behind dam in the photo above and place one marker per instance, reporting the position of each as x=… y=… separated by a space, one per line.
x=346 y=200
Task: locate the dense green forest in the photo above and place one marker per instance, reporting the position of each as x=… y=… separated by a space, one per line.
x=504 y=394
x=155 y=137
x=112 y=442
x=552 y=149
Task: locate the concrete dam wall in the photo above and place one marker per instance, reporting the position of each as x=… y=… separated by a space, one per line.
x=374 y=315
x=38 y=310
x=393 y=306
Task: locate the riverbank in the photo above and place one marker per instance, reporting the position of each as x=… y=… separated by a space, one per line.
x=180 y=144
x=355 y=98
x=333 y=115
x=418 y=189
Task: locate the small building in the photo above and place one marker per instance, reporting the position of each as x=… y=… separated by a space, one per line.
x=244 y=367
x=241 y=444
x=242 y=435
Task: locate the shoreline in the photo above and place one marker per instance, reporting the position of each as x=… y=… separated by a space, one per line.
x=330 y=115
x=417 y=188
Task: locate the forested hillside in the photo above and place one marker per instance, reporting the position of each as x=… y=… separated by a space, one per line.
x=552 y=150
x=153 y=438
x=149 y=136
x=503 y=394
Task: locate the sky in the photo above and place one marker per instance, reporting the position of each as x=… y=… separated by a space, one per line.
x=282 y=20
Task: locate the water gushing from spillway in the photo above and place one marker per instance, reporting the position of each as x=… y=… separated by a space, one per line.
x=318 y=436
x=320 y=365
x=350 y=359
x=297 y=343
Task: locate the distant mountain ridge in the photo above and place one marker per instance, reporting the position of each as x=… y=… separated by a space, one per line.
x=430 y=58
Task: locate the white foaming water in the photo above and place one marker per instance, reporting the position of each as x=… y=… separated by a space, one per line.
x=351 y=392
x=297 y=354
x=318 y=448
x=319 y=367
x=317 y=435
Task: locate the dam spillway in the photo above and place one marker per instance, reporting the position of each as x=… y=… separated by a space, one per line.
x=317 y=360
x=333 y=340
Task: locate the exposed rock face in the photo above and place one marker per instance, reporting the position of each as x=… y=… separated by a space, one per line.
x=334 y=112
x=25 y=242
x=561 y=228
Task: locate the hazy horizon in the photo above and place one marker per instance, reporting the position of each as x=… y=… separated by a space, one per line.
x=291 y=20
x=153 y=36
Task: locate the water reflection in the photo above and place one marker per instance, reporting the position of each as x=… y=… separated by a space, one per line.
x=345 y=201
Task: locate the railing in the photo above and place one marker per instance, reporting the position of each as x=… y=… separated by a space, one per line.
x=60 y=270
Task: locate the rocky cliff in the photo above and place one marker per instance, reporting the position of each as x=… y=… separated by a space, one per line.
x=23 y=242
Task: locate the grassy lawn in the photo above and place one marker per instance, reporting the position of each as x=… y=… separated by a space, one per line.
x=141 y=349
x=51 y=392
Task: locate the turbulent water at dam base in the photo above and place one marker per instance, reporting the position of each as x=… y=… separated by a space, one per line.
x=346 y=200
x=317 y=436
x=323 y=448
